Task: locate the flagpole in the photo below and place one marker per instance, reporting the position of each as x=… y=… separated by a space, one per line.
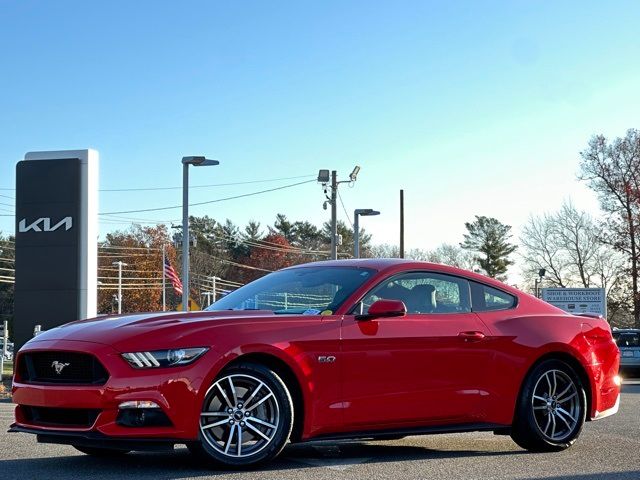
x=164 y=295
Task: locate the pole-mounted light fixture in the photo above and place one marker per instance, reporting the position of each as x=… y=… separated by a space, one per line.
x=357 y=213
x=196 y=161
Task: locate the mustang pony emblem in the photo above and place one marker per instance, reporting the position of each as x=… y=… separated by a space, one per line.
x=58 y=366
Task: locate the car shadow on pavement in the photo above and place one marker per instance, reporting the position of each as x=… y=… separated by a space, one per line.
x=180 y=464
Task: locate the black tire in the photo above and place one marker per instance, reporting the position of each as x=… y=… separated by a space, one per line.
x=101 y=452
x=204 y=448
x=536 y=419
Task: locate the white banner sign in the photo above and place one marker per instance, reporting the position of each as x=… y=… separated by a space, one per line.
x=577 y=300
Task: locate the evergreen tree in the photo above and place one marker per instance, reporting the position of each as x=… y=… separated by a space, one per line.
x=489 y=240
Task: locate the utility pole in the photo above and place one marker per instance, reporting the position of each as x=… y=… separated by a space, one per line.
x=324 y=178
x=5 y=341
x=401 y=223
x=334 y=215
x=164 y=286
x=120 y=264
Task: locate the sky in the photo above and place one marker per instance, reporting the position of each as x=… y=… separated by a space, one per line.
x=473 y=108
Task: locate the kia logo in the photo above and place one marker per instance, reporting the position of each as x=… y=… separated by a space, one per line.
x=44 y=225
x=59 y=366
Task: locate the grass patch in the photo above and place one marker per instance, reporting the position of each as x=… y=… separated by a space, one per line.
x=7 y=371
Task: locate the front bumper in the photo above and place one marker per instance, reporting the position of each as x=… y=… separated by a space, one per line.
x=98 y=440
x=176 y=390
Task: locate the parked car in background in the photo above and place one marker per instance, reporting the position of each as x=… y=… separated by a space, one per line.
x=8 y=355
x=628 y=341
x=324 y=351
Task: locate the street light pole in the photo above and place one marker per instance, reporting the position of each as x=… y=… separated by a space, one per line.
x=185 y=236
x=365 y=212
x=120 y=264
x=538 y=281
x=196 y=162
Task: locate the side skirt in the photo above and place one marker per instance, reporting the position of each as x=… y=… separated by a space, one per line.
x=406 y=432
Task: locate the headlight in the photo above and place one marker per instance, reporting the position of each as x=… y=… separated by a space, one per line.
x=164 y=358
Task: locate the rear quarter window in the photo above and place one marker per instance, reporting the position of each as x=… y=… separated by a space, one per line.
x=486 y=299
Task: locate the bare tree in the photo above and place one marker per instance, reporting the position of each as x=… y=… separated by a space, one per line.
x=384 y=250
x=541 y=250
x=446 y=254
x=612 y=170
x=452 y=255
x=568 y=245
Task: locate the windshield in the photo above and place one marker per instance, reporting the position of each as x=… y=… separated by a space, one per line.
x=310 y=290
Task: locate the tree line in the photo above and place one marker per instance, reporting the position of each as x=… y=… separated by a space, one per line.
x=575 y=248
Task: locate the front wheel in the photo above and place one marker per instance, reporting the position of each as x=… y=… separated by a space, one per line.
x=246 y=417
x=551 y=409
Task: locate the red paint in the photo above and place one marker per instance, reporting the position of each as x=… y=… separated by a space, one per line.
x=405 y=371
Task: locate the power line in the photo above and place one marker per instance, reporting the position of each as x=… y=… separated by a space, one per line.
x=246 y=182
x=203 y=186
x=345 y=210
x=209 y=201
x=123 y=247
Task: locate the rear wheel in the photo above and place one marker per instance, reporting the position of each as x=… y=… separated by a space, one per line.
x=101 y=452
x=246 y=417
x=551 y=409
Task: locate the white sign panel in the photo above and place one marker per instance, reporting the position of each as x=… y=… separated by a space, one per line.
x=577 y=300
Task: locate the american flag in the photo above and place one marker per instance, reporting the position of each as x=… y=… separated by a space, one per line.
x=173 y=276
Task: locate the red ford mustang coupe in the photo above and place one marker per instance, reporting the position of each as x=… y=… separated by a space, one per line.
x=329 y=350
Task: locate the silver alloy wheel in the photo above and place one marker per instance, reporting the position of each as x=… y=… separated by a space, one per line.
x=240 y=415
x=556 y=405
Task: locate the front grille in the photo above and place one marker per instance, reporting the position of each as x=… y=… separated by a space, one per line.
x=63 y=368
x=63 y=417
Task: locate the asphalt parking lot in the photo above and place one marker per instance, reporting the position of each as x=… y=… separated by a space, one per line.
x=608 y=449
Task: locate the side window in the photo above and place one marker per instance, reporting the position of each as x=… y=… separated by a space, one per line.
x=423 y=292
x=486 y=298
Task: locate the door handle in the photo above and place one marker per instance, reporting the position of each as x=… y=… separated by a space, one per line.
x=471 y=336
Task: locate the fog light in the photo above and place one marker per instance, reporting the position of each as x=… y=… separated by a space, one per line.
x=617 y=380
x=138 y=404
x=141 y=413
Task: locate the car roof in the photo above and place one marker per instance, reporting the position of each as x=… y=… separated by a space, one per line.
x=382 y=264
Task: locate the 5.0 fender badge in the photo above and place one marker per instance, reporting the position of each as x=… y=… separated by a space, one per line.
x=326 y=359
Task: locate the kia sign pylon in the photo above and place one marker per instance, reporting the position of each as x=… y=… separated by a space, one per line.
x=56 y=240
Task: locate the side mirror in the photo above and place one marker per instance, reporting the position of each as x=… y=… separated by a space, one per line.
x=384 y=309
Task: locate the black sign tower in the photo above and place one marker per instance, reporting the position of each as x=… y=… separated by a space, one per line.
x=56 y=240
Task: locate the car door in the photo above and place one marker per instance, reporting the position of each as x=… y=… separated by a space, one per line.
x=425 y=368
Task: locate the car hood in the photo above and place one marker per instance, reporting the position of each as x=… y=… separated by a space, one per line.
x=126 y=330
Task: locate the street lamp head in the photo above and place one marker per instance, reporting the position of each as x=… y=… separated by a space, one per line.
x=366 y=212
x=323 y=176
x=199 y=161
x=542 y=272
x=354 y=174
